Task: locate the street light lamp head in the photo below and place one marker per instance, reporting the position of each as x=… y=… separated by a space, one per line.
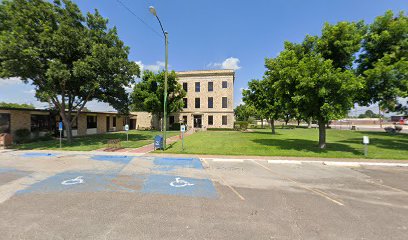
x=153 y=11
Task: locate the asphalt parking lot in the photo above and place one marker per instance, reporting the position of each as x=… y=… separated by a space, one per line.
x=97 y=196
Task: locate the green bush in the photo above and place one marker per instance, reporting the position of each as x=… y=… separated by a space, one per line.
x=241 y=125
x=175 y=127
x=22 y=135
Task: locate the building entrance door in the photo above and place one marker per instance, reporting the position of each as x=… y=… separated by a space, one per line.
x=197 y=121
x=107 y=123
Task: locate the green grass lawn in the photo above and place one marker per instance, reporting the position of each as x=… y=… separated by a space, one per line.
x=295 y=142
x=93 y=142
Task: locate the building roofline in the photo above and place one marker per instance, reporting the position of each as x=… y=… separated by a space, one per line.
x=206 y=72
x=25 y=109
x=51 y=110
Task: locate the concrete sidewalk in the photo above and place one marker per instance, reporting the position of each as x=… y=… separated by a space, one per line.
x=294 y=160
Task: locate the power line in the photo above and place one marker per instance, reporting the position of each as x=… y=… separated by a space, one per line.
x=140 y=19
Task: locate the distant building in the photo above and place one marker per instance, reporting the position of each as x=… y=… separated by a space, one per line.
x=209 y=102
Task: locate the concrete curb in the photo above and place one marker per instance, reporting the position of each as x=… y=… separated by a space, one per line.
x=299 y=162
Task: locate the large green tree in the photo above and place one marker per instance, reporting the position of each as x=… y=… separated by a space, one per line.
x=262 y=96
x=384 y=62
x=244 y=111
x=70 y=58
x=148 y=94
x=324 y=92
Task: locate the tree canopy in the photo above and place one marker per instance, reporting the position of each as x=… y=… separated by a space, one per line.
x=244 y=111
x=148 y=94
x=70 y=58
x=314 y=79
x=16 y=105
x=384 y=62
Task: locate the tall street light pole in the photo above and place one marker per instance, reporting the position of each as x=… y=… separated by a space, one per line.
x=166 y=42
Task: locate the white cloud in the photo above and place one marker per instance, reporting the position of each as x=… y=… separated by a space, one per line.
x=153 y=67
x=229 y=63
x=31 y=91
x=10 y=81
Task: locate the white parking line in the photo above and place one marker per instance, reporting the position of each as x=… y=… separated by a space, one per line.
x=225 y=159
x=344 y=164
x=315 y=191
x=223 y=181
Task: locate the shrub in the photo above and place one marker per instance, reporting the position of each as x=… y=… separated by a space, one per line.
x=398 y=128
x=241 y=125
x=22 y=135
x=389 y=130
x=175 y=126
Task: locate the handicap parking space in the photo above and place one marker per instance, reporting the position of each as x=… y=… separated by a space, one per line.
x=180 y=186
x=167 y=176
x=84 y=182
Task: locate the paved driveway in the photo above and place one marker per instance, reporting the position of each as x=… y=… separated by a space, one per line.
x=76 y=196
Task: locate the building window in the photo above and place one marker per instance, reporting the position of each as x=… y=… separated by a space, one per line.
x=224 y=120
x=40 y=123
x=114 y=122
x=185 y=119
x=171 y=120
x=91 y=122
x=185 y=103
x=4 y=123
x=197 y=103
x=185 y=86
x=224 y=102
x=210 y=120
x=224 y=84
x=210 y=86
x=210 y=102
x=197 y=87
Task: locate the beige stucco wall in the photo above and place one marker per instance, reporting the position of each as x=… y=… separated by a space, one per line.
x=145 y=120
x=217 y=77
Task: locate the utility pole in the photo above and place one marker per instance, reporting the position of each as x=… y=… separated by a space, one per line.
x=166 y=43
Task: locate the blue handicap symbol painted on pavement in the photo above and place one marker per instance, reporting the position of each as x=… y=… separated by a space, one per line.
x=181 y=186
x=77 y=182
x=171 y=163
x=113 y=158
x=38 y=154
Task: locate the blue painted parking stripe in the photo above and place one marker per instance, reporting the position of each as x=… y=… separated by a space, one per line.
x=113 y=158
x=171 y=163
x=38 y=154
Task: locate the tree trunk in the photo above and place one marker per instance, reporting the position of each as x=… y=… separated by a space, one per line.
x=298 y=122
x=309 y=123
x=287 y=118
x=262 y=126
x=273 y=126
x=67 y=126
x=322 y=134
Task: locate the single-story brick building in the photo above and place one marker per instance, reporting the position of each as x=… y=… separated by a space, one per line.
x=41 y=121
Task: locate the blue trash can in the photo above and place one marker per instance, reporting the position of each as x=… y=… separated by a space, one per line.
x=158 y=142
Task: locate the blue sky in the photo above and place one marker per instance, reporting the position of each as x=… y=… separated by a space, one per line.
x=215 y=34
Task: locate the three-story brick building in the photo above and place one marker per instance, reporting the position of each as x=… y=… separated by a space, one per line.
x=209 y=102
